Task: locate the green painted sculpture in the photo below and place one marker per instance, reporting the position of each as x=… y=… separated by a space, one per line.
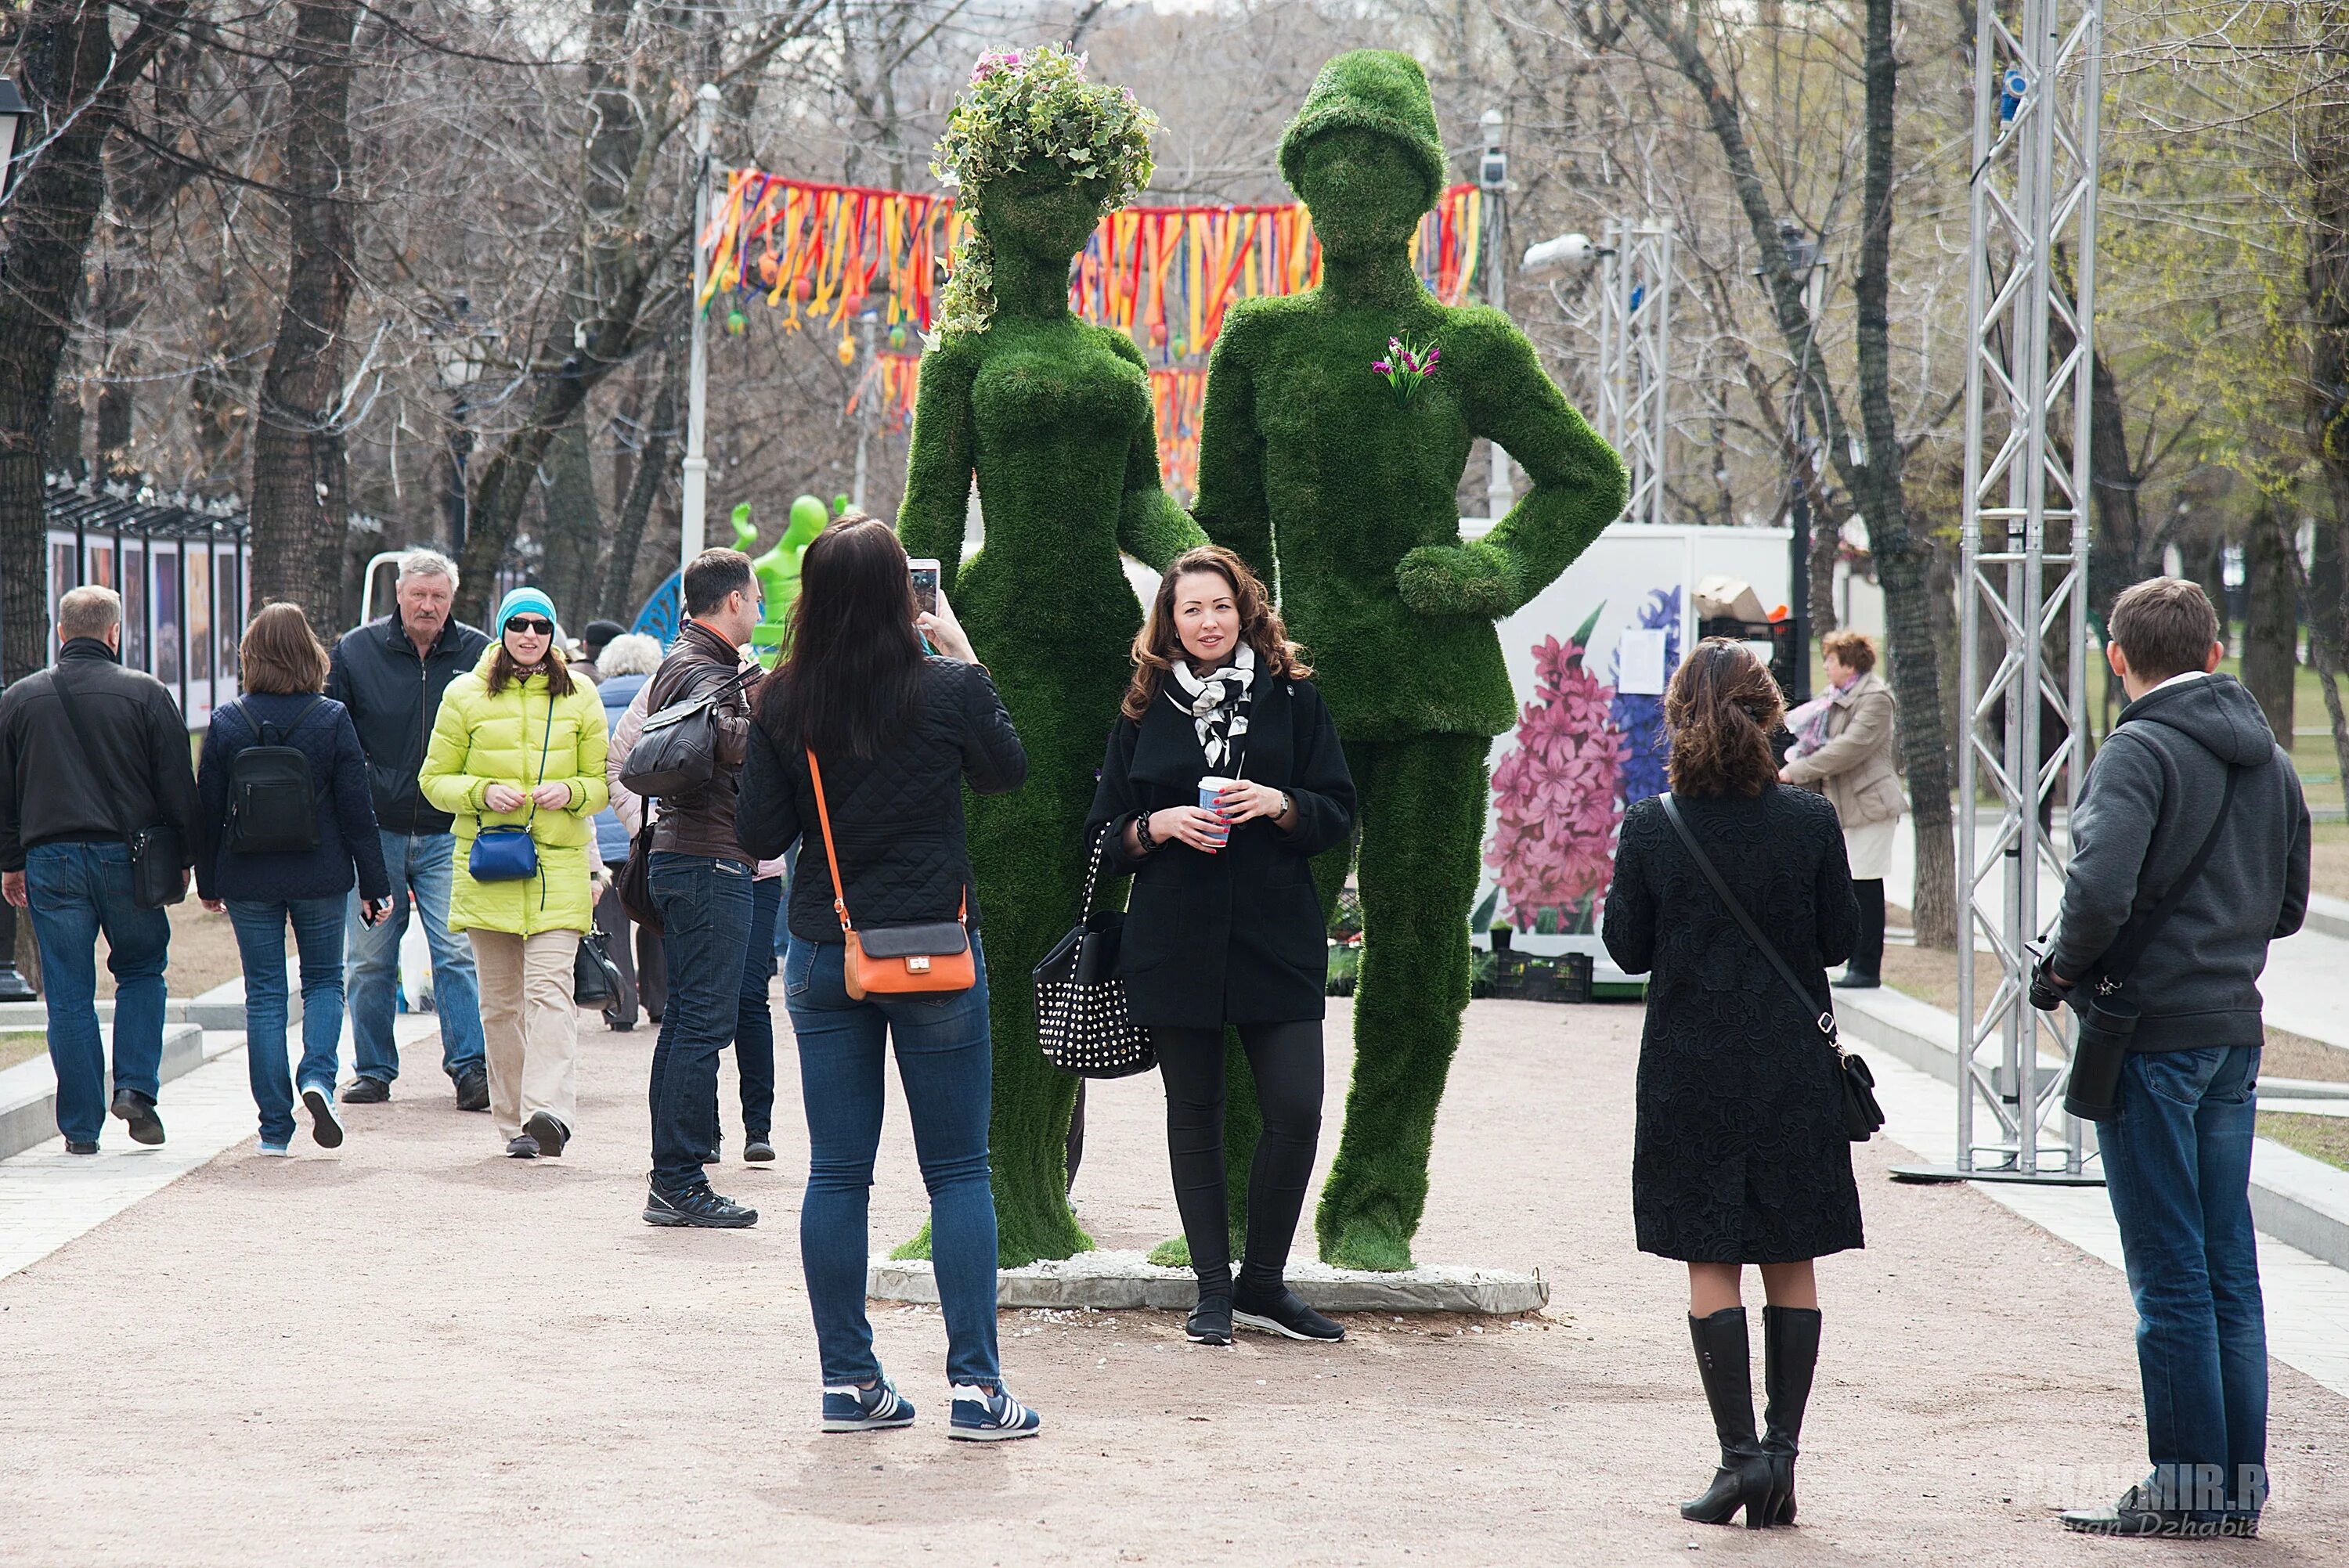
x=1053 y=417
x=778 y=571
x=1317 y=445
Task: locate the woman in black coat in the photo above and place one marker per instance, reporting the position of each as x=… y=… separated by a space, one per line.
x=1224 y=926
x=1741 y=1155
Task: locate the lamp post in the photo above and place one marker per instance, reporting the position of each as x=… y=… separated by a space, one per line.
x=462 y=355
x=1493 y=180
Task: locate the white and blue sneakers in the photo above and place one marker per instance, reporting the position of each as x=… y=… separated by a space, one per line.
x=848 y=1407
x=982 y=1415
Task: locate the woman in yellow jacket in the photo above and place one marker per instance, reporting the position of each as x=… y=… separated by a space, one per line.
x=520 y=742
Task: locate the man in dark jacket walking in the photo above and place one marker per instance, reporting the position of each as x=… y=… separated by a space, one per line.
x=390 y=674
x=701 y=885
x=65 y=806
x=2178 y=1150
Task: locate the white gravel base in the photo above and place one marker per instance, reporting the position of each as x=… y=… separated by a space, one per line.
x=1119 y=1281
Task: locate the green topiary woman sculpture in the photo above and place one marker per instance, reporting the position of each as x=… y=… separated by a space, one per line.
x=1336 y=425
x=1054 y=419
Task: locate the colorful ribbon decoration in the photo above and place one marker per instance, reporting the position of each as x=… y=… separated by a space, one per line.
x=1166 y=275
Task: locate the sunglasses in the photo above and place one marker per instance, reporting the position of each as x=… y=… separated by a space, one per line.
x=536 y=626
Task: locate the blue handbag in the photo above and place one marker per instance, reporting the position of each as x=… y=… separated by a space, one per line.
x=508 y=852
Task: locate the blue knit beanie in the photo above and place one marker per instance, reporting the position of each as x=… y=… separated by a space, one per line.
x=521 y=601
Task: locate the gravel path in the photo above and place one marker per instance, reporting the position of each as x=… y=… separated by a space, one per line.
x=420 y=1352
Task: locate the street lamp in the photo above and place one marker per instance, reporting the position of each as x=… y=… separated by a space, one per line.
x=13 y=116
x=1493 y=181
x=463 y=355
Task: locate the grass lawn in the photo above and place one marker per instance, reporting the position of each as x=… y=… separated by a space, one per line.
x=2325 y=1138
x=21 y=1046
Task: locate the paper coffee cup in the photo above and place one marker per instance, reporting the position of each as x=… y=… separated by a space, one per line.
x=1211 y=787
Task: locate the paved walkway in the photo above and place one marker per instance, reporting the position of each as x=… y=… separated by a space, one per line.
x=418 y=1351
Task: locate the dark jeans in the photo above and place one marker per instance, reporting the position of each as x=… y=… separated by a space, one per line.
x=705 y=910
x=1868 y=953
x=754 y=1024
x=74 y=892
x=1286 y=1061
x=2178 y=1165
x=946 y=1064
x=423 y=864
x=261 y=943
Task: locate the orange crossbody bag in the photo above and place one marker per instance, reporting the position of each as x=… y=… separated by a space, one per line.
x=927 y=958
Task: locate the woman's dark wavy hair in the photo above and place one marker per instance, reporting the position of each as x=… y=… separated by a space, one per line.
x=854 y=674
x=1719 y=710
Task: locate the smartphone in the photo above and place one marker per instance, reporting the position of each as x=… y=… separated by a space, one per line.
x=925 y=584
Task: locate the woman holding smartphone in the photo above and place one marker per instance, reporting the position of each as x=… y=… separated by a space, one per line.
x=1223 y=778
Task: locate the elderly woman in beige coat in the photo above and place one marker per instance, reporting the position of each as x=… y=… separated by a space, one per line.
x=1842 y=750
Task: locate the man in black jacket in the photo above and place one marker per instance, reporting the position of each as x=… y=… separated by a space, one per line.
x=2177 y=1148
x=64 y=809
x=390 y=674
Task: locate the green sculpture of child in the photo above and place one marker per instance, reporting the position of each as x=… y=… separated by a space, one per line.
x=1315 y=435
x=778 y=571
x=1054 y=419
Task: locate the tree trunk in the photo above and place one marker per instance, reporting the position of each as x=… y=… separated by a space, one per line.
x=2327 y=164
x=301 y=480
x=573 y=528
x=76 y=81
x=2271 y=621
x=620 y=602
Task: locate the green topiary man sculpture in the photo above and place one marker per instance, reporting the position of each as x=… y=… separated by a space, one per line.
x=1054 y=419
x=1322 y=444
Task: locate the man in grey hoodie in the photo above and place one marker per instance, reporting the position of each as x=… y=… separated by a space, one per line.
x=2178 y=1150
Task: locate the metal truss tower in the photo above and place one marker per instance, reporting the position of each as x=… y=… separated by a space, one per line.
x=2030 y=329
x=1635 y=337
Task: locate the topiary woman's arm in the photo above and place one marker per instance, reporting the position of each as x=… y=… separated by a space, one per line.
x=940 y=465
x=1151 y=526
x=1578 y=483
x=1231 y=507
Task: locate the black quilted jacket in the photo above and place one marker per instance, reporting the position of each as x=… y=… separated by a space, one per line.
x=897 y=818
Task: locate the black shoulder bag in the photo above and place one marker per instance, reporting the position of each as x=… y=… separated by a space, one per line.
x=676 y=751
x=1081 y=1021
x=2108 y=1020
x=158 y=862
x=1861 y=1115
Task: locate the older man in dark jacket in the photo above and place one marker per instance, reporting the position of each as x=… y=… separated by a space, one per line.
x=90 y=751
x=390 y=674
x=701 y=884
x=2177 y=1148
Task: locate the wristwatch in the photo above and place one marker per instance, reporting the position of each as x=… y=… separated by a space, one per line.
x=1287 y=804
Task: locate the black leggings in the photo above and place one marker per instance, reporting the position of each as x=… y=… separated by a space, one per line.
x=1868 y=953
x=1286 y=1060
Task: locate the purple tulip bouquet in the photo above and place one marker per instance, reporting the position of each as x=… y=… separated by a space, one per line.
x=1407 y=367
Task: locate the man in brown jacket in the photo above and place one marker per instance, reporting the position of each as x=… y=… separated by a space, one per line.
x=701 y=885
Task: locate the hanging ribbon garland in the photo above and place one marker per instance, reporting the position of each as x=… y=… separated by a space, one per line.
x=1166 y=275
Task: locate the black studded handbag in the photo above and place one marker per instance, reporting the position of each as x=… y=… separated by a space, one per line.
x=1082 y=1020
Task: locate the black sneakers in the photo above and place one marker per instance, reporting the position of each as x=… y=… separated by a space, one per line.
x=1284 y=1314
x=549 y=1133
x=472 y=1089
x=523 y=1147
x=696 y=1206
x=758 y=1149
x=139 y=1111
x=1211 y=1320
x=76 y=1146
x=368 y=1091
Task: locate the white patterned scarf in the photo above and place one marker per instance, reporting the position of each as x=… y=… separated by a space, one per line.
x=1219 y=703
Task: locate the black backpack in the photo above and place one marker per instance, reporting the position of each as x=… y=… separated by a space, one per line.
x=273 y=803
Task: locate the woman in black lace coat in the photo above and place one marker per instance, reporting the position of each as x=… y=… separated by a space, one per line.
x=1741 y=1155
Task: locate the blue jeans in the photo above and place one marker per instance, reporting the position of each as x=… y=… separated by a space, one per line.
x=74 y=892
x=946 y=1063
x=705 y=910
x=754 y=1024
x=424 y=864
x=261 y=943
x=2178 y=1164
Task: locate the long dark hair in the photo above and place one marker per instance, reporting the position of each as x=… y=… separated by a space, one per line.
x=1719 y=710
x=1159 y=645
x=854 y=671
x=504 y=671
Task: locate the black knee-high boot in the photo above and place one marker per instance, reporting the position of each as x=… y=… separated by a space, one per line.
x=1724 y=1362
x=1790 y=1353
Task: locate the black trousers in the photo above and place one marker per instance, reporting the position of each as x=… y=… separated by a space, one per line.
x=1286 y=1061
x=1868 y=953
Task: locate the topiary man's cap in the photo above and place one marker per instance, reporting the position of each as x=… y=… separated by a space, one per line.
x=1371 y=89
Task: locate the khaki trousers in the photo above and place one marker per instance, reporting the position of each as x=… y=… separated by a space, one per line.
x=530 y=1027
